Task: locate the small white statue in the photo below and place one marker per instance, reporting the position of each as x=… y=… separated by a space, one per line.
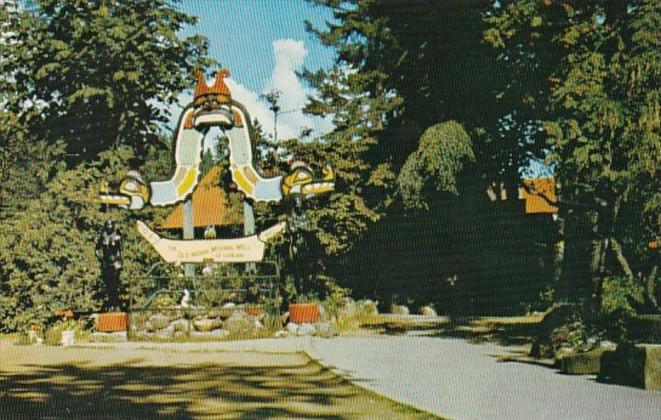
x=185 y=299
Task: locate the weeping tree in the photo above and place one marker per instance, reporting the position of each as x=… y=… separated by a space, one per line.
x=407 y=69
x=440 y=158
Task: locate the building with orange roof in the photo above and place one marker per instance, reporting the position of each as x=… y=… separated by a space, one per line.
x=211 y=206
x=539 y=195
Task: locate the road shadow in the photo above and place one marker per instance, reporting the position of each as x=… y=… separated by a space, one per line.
x=512 y=331
x=130 y=390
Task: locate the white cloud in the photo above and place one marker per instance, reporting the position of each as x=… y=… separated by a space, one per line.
x=289 y=55
x=256 y=106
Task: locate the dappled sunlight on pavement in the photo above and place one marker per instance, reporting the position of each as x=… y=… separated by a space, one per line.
x=38 y=382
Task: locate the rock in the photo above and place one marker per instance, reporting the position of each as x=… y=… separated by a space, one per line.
x=323 y=314
x=257 y=324
x=206 y=324
x=368 y=307
x=607 y=345
x=346 y=307
x=325 y=330
x=217 y=333
x=113 y=337
x=280 y=334
x=68 y=338
x=229 y=305
x=220 y=332
x=346 y=303
x=180 y=325
x=158 y=322
x=240 y=323
x=428 y=311
x=217 y=314
x=638 y=366
x=165 y=333
x=583 y=363
x=563 y=352
x=292 y=328
x=399 y=310
x=180 y=335
x=306 y=330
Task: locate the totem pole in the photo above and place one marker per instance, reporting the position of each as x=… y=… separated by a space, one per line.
x=110 y=252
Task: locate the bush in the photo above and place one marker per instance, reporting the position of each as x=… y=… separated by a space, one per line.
x=53 y=335
x=573 y=335
x=619 y=295
x=47 y=256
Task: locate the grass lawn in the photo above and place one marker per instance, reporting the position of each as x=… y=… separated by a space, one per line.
x=56 y=382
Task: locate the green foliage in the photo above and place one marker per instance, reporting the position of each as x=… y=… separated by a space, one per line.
x=53 y=334
x=618 y=294
x=400 y=70
x=389 y=83
x=163 y=301
x=97 y=74
x=363 y=188
x=79 y=77
x=47 y=256
x=442 y=151
x=48 y=260
x=619 y=299
x=573 y=335
x=599 y=66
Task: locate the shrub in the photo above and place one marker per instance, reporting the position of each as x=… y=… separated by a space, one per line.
x=619 y=295
x=53 y=335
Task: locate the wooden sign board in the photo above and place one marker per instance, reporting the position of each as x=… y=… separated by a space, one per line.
x=248 y=249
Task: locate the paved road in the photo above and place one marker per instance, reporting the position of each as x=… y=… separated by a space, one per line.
x=459 y=380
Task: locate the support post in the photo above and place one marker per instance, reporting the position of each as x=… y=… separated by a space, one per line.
x=189 y=233
x=249 y=228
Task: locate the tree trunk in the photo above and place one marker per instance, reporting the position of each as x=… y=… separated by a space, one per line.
x=595 y=261
x=189 y=232
x=650 y=283
x=621 y=259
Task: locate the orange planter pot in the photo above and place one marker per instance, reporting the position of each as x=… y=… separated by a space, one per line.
x=300 y=313
x=112 y=321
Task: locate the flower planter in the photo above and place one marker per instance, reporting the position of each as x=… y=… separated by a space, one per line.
x=301 y=313
x=111 y=322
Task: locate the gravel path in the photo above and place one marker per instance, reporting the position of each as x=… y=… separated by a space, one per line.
x=459 y=380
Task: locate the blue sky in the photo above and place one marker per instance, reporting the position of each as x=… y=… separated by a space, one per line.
x=241 y=34
x=263 y=43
